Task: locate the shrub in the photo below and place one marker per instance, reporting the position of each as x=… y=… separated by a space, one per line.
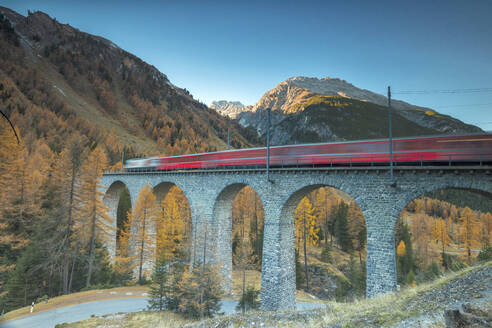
x=249 y=300
x=485 y=253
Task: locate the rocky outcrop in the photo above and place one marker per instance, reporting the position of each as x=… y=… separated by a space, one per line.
x=289 y=99
x=228 y=108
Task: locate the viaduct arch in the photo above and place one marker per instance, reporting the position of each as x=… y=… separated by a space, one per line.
x=210 y=194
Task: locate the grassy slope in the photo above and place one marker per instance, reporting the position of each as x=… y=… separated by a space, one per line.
x=383 y=311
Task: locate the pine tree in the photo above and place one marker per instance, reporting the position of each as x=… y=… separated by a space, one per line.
x=249 y=300
x=159 y=290
x=326 y=253
x=341 y=228
x=199 y=292
x=244 y=260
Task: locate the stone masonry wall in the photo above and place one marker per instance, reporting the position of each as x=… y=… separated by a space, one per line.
x=211 y=193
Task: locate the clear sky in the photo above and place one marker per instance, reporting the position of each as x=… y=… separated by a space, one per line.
x=238 y=50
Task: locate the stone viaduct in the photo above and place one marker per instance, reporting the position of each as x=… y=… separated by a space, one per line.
x=211 y=193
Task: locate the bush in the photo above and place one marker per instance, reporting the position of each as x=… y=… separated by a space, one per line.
x=249 y=300
x=450 y=262
x=485 y=253
x=199 y=292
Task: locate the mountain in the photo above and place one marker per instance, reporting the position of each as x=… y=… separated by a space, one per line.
x=308 y=109
x=228 y=108
x=56 y=81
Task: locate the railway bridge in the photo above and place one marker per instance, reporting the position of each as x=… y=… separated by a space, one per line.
x=210 y=194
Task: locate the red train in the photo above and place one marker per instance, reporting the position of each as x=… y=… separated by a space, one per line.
x=449 y=150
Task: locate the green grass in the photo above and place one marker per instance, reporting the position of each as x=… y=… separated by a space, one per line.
x=164 y=319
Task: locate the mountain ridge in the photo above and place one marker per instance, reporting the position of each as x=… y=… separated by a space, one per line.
x=290 y=98
x=99 y=90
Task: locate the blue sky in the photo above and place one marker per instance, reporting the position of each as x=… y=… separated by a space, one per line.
x=238 y=50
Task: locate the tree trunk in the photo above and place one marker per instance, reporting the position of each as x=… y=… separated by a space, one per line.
x=244 y=287
x=66 y=257
x=92 y=246
x=326 y=216
x=75 y=251
x=305 y=255
x=142 y=245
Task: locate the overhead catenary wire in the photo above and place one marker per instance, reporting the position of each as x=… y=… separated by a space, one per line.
x=442 y=91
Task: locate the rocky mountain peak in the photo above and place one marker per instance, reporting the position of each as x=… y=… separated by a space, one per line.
x=290 y=99
x=228 y=108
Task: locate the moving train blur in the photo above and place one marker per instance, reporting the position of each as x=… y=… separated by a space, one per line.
x=439 y=150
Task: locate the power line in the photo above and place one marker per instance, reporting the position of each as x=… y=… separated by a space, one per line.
x=464 y=105
x=442 y=91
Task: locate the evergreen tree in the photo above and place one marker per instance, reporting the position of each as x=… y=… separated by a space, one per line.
x=341 y=228
x=199 y=292
x=299 y=274
x=326 y=253
x=249 y=300
x=158 y=292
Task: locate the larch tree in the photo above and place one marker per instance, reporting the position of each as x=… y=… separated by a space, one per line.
x=67 y=178
x=306 y=228
x=124 y=261
x=440 y=233
x=95 y=223
x=143 y=219
x=171 y=230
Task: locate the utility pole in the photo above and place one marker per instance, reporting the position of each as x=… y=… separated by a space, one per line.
x=122 y=160
x=228 y=138
x=390 y=137
x=268 y=145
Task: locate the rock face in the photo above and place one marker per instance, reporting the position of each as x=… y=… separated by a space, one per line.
x=228 y=108
x=292 y=100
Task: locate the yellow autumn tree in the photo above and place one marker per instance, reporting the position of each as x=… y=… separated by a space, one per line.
x=171 y=230
x=306 y=230
x=401 y=249
x=66 y=178
x=94 y=221
x=11 y=159
x=466 y=231
x=143 y=220
x=439 y=233
x=124 y=261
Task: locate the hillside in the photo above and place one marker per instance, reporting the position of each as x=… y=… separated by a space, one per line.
x=310 y=110
x=465 y=295
x=67 y=81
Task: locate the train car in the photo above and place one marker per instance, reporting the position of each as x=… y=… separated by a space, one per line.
x=437 y=150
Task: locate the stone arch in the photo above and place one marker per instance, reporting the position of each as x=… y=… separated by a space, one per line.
x=111 y=200
x=222 y=230
x=286 y=241
x=452 y=185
